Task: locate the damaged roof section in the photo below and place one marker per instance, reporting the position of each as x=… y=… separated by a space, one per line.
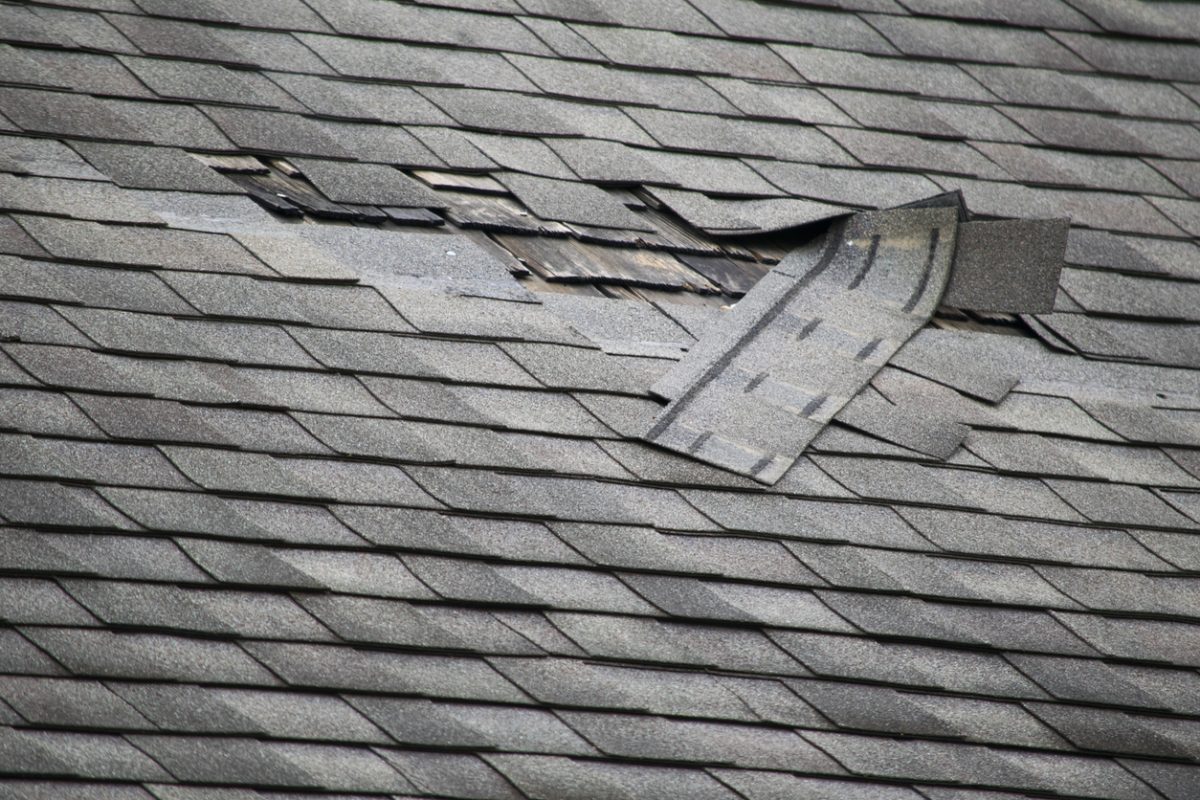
x=762 y=383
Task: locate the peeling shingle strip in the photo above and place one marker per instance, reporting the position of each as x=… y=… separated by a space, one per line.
x=753 y=393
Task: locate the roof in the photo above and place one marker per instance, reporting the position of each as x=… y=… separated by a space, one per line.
x=336 y=337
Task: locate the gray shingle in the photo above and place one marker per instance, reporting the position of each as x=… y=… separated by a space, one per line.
x=365 y=183
x=1131 y=57
x=274 y=132
x=63 y=114
x=764 y=785
x=679 y=740
x=557 y=778
x=710 y=134
x=562 y=498
x=669 y=51
x=1122 y=505
x=360 y=101
x=276 y=714
x=801 y=25
x=155 y=247
x=326 y=667
x=1168 y=642
x=452 y=775
x=1027 y=277
x=569 y=201
x=860 y=524
x=943 y=39
x=104 y=654
x=71 y=703
x=56 y=504
x=400 y=62
x=39 y=602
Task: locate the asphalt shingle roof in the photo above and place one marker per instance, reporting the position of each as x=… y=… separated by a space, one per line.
x=330 y=333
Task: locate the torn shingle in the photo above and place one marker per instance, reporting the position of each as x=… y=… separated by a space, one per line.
x=734 y=400
x=1007 y=266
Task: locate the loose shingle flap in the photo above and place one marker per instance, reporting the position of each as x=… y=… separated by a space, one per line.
x=761 y=384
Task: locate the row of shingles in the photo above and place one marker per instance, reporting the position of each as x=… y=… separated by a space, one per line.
x=178 y=601
x=919 y=37
x=275 y=144
x=1109 y=264
x=673 y=130
x=1138 y=593
x=260 y=131
x=663 y=725
x=1077 y=130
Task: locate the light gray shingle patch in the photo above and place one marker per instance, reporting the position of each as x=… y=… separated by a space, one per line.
x=80 y=199
x=799 y=25
x=838 y=307
x=776 y=101
x=64 y=114
x=808 y=519
x=926 y=430
x=672 y=15
x=838 y=68
x=358 y=100
x=1161 y=60
x=866 y=187
x=1151 y=640
x=441 y=260
x=880 y=149
x=173 y=39
x=546 y=777
x=523 y=154
x=48 y=158
x=104 y=654
x=679 y=740
x=561 y=367
x=156 y=247
x=599 y=82
x=140 y=167
x=275 y=132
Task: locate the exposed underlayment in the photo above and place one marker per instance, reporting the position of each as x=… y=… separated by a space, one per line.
x=328 y=332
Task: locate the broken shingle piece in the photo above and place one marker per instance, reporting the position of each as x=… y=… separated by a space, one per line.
x=1007 y=265
x=570 y=201
x=141 y=167
x=761 y=385
x=373 y=184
